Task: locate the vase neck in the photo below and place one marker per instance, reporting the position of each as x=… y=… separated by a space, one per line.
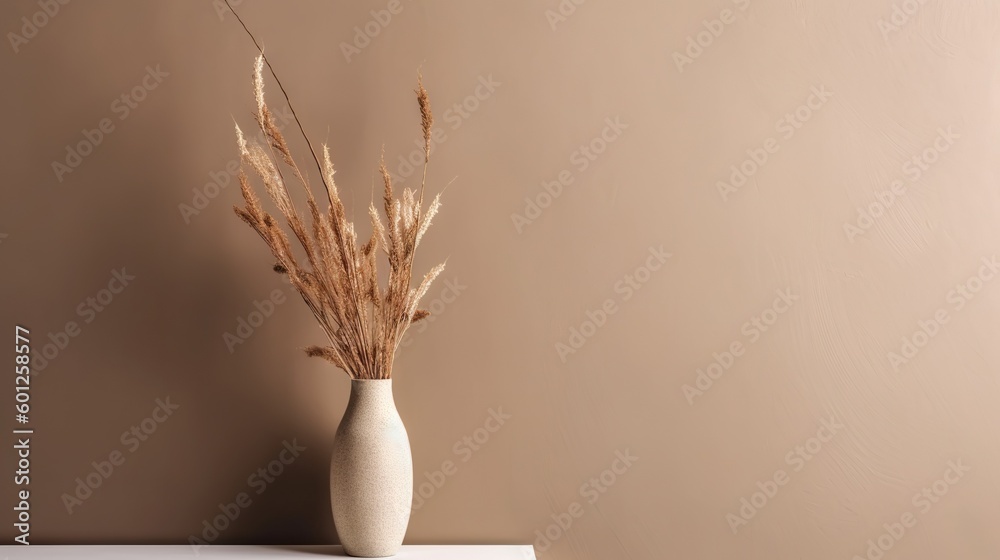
x=371 y=392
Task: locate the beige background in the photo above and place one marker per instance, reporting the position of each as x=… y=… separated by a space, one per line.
x=494 y=346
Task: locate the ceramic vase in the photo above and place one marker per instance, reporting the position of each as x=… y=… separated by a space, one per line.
x=371 y=472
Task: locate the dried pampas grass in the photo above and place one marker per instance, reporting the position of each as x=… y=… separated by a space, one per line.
x=336 y=277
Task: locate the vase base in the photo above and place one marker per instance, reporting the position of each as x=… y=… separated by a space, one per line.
x=365 y=554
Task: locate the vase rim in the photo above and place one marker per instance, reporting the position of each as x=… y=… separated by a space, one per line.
x=365 y=380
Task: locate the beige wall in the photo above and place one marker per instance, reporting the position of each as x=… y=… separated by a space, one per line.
x=833 y=105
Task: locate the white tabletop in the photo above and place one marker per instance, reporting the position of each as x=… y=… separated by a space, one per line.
x=177 y=552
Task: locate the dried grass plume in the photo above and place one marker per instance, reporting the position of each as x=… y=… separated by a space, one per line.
x=336 y=276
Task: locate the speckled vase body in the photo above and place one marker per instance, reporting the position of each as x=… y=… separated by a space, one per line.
x=371 y=472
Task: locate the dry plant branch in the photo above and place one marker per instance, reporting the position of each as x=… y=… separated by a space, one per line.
x=337 y=278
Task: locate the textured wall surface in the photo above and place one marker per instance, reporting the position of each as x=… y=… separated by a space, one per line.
x=722 y=275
